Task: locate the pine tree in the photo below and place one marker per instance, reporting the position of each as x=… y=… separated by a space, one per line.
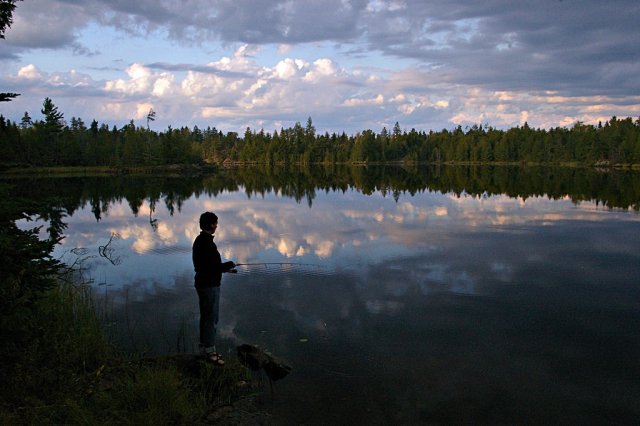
x=26 y=121
x=53 y=119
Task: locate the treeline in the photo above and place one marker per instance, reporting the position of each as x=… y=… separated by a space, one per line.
x=51 y=141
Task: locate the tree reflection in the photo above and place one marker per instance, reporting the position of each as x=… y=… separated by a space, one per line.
x=610 y=189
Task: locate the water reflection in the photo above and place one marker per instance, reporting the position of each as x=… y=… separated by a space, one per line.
x=433 y=307
x=340 y=230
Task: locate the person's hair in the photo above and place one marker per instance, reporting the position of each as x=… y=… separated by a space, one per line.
x=207 y=219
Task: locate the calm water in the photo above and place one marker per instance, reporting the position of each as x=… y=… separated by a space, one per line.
x=475 y=299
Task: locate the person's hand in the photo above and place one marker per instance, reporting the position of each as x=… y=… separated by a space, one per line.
x=228 y=267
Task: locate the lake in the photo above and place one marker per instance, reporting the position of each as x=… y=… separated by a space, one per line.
x=398 y=295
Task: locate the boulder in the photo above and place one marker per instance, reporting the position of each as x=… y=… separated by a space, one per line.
x=255 y=358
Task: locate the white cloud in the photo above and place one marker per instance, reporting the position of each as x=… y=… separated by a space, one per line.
x=197 y=83
x=288 y=68
x=321 y=68
x=163 y=85
x=30 y=72
x=139 y=81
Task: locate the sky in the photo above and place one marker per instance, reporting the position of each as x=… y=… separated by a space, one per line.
x=350 y=65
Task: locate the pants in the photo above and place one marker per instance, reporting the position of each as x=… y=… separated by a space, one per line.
x=209 y=301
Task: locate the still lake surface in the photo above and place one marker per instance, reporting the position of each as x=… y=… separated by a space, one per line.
x=421 y=296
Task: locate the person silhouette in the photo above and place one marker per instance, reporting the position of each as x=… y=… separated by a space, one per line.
x=209 y=268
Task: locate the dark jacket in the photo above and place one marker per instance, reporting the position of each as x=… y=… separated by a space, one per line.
x=207 y=262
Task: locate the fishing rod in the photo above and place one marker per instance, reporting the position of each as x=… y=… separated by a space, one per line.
x=278 y=263
x=285 y=265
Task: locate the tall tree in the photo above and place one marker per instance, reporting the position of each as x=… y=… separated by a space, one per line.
x=26 y=121
x=53 y=119
x=51 y=129
x=151 y=117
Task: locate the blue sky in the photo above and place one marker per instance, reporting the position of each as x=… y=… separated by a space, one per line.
x=351 y=65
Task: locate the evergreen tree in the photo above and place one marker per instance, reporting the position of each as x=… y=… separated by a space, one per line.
x=26 y=121
x=6 y=19
x=53 y=119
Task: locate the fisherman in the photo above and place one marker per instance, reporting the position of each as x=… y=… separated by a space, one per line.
x=209 y=268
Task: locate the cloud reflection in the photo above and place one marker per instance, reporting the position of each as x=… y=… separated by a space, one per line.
x=340 y=230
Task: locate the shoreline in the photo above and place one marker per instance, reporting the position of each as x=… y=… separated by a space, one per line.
x=180 y=169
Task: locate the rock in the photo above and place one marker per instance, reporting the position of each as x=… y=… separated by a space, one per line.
x=255 y=358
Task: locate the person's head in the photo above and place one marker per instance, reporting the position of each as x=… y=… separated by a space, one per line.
x=208 y=221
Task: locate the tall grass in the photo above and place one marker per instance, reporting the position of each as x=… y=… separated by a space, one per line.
x=66 y=345
x=71 y=374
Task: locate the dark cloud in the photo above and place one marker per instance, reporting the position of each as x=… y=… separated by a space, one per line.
x=290 y=22
x=546 y=45
x=51 y=26
x=590 y=46
x=9 y=54
x=81 y=50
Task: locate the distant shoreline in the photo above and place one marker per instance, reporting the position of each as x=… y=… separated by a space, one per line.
x=180 y=169
x=106 y=170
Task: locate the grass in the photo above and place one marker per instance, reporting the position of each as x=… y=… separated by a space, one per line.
x=136 y=394
x=72 y=374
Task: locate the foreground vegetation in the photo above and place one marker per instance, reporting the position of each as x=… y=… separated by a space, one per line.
x=58 y=367
x=52 y=141
x=70 y=374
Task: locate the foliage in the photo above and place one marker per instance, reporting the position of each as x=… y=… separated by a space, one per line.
x=33 y=306
x=6 y=19
x=6 y=97
x=52 y=142
x=6 y=15
x=69 y=373
x=141 y=393
x=151 y=395
x=28 y=271
x=64 y=344
x=53 y=119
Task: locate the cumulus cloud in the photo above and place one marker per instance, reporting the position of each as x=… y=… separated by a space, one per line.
x=29 y=72
x=427 y=65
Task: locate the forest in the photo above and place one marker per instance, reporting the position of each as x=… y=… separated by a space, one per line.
x=54 y=141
